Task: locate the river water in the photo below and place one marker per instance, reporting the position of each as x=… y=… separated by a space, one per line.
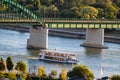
x=13 y=43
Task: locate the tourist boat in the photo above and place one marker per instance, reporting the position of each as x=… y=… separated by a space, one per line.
x=59 y=57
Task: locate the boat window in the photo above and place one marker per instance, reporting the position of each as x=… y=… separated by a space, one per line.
x=40 y=55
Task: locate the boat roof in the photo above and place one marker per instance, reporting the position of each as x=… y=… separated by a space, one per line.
x=58 y=52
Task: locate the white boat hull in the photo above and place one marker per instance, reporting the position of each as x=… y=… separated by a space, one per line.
x=66 y=62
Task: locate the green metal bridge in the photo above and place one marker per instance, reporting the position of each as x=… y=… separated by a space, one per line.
x=17 y=14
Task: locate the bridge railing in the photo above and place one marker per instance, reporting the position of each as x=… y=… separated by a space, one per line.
x=79 y=19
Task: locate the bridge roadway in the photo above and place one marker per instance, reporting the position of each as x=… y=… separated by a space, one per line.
x=64 y=23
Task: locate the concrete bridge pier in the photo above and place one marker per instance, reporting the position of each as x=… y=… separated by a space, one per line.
x=38 y=38
x=94 y=38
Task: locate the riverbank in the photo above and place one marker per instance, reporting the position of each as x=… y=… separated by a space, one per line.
x=70 y=33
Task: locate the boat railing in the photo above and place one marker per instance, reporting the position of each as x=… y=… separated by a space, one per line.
x=58 y=54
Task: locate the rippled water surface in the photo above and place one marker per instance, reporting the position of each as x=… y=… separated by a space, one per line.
x=13 y=43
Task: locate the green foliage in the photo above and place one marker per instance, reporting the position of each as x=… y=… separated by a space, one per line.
x=63 y=75
x=28 y=77
x=110 y=12
x=9 y=63
x=100 y=12
x=41 y=71
x=54 y=72
x=38 y=4
x=24 y=76
x=11 y=75
x=81 y=71
x=2 y=65
x=88 y=2
x=89 y=12
x=68 y=8
x=2 y=7
x=104 y=3
x=35 y=78
x=46 y=2
x=115 y=77
x=2 y=74
x=21 y=66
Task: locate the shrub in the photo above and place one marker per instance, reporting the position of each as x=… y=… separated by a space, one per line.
x=81 y=71
x=28 y=77
x=2 y=74
x=11 y=75
x=53 y=74
x=21 y=66
x=24 y=76
x=35 y=78
x=115 y=77
x=41 y=71
x=63 y=75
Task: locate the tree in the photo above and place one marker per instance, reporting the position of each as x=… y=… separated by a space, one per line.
x=77 y=3
x=104 y=3
x=115 y=77
x=53 y=73
x=110 y=12
x=38 y=4
x=11 y=75
x=21 y=66
x=88 y=2
x=100 y=12
x=69 y=13
x=89 y=12
x=2 y=74
x=81 y=71
x=46 y=2
x=2 y=65
x=9 y=63
x=41 y=71
x=2 y=7
x=63 y=75
x=75 y=11
x=59 y=4
x=51 y=11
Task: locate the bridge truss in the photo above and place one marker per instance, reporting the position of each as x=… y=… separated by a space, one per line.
x=15 y=13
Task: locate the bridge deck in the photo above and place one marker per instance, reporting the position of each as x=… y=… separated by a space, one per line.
x=57 y=23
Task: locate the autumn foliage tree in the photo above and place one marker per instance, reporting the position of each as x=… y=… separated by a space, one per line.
x=81 y=71
x=53 y=73
x=63 y=75
x=21 y=66
x=2 y=65
x=89 y=12
x=41 y=71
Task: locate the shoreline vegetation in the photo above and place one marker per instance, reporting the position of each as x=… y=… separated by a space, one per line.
x=18 y=71
x=110 y=36
x=84 y=9
x=13 y=71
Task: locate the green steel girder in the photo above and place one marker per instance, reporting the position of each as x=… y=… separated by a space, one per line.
x=20 y=7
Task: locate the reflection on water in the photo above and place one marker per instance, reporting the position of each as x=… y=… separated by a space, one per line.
x=93 y=51
x=33 y=52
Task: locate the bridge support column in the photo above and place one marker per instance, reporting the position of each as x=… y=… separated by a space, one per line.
x=38 y=38
x=94 y=38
